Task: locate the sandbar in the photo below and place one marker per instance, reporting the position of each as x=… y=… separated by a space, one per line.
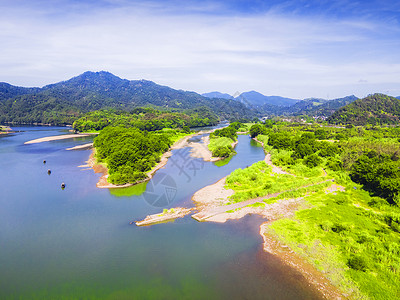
x=200 y=150
x=167 y=216
x=82 y=147
x=58 y=137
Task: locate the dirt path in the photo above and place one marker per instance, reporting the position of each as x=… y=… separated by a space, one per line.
x=275 y=169
x=268 y=161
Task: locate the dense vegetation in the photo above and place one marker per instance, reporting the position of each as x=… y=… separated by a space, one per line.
x=64 y=102
x=221 y=140
x=313 y=107
x=375 y=110
x=129 y=152
x=146 y=119
x=131 y=144
x=349 y=229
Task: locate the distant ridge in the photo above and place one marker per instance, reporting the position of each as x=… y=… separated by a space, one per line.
x=257 y=99
x=319 y=107
x=375 y=110
x=9 y=91
x=217 y=95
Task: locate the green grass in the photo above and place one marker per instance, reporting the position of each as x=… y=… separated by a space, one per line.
x=258 y=180
x=351 y=237
x=219 y=142
x=339 y=228
x=174 y=135
x=135 y=190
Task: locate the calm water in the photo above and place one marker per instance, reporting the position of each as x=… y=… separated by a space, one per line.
x=77 y=243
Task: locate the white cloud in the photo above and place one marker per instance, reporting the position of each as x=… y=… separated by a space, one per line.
x=270 y=53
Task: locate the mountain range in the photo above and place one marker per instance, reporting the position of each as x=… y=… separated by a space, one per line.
x=277 y=105
x=62 y=102
x=255 y=99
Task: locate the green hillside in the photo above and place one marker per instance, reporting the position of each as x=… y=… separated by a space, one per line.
x=375 y=109
x=63 y=102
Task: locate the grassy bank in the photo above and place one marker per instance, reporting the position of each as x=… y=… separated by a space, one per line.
x=343 y=229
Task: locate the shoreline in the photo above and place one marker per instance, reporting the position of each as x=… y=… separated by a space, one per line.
x=268 y=161
x=315 y=277
x=215 y=195
x=198 y=150
x=81 y=147
x=100 y=168
x=169 y=215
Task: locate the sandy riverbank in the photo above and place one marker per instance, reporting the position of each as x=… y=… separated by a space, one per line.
x=213 y=194
x=59 y=137
x=268 y=161
x=289 y=257
x=213 y=199
x=200 y=150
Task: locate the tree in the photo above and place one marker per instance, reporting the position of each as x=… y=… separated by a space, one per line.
x=257 y=129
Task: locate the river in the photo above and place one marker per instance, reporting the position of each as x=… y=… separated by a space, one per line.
x=77 y=243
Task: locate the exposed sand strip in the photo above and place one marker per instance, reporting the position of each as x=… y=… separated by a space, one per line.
x=268 y=161
x=275 y=169
x=81 y=147
x=59 y=137
x=170 y=215
x=200 y=150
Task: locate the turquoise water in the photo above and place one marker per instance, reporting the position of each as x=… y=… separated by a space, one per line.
x=77 y=243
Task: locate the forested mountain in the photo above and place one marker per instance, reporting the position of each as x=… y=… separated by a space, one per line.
x=9 y=91
x=64 y=101
x=217 y=95
x=374 y=109
x=319 y=107
x=254 y=98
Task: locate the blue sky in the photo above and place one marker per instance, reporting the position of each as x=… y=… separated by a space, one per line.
x=296 y=49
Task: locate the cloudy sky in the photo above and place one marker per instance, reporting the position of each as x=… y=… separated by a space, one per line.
x=294 y=48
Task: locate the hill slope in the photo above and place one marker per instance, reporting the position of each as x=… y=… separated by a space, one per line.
x=319 y=107
x=9 y=91
x=62 y=102
x=254 y=98
x=374 y=109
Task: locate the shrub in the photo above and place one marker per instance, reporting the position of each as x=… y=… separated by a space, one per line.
x=223 y=151
x=334 y=165
x=312 y=160
x=357 y=263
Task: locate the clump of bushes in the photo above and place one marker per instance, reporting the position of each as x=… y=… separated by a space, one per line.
x=223 y=151
x=357 y=263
